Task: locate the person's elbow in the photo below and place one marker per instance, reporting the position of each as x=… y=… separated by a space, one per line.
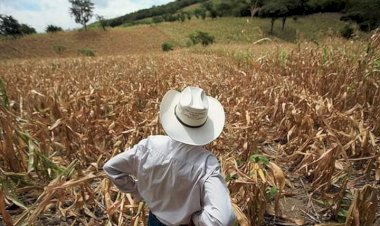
x=108 y=169
x=221 y=219
x=227 y=219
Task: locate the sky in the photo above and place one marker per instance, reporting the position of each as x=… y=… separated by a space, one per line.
x=40 y=13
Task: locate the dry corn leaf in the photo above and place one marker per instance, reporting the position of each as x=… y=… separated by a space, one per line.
x=363 y=207
x=6 y=216
x=240 y=216
x=278 y=175
x=377 y=173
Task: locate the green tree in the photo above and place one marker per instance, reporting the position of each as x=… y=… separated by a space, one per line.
x=181 y=16
x=293 y=7
x=188 y=15
x=82 y=10
x=209 y=6
x=158 y=19
x=9 y=26
x=52 y=29
x=200 y=13
x=242 y=7
x=366 y=13
x=224 y=9
x=27 y=30
x=102 y=22
x=276 y=9
x=313 y=6
x=254 y=6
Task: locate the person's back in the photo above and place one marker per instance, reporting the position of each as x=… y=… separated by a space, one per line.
x=181 y=183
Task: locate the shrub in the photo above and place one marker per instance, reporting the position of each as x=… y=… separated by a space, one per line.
x=347 y=31
x=26 y=30
x=86 y=52
x=202 y=37
x=158 y=19
x=59 y=48
x=189 y=43
x=115 y=22
x=166 y=46
x=102 y=22
x=53 y=29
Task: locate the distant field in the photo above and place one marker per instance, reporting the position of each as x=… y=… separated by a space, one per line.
x=148 y=38
x=118 y=41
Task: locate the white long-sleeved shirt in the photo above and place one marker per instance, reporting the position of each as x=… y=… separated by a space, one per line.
x=178 y=182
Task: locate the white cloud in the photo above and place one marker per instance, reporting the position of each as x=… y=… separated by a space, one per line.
x=41 y=13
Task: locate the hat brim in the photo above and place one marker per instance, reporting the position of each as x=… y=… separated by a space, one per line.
x=194 y=136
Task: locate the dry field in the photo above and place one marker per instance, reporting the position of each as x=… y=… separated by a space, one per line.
x=145 y=39
x=300 y=146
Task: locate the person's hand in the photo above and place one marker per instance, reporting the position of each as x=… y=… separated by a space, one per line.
x=134 y=198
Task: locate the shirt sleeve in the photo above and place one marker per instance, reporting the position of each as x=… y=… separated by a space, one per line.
x=120 y=169
x=217 y=208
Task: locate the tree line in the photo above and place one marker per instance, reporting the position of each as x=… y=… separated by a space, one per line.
x=366 y=13
x=160 y=13
x=11 y=27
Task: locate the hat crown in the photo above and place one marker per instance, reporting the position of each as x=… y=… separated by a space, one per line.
x=191 y=117
x=192 y=107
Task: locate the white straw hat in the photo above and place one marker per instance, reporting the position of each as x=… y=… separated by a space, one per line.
x=191 y=116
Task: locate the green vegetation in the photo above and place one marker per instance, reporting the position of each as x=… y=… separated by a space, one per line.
x=259 y=159
x=347 y=31
x=53 y=29
x=26 y=30
x=11 y=27
x=82 y=11
x=102 y=22
x=167 y=46
x=228 y=30
x=86 y=52
x=366 y=13
x=165 y=12
x=59 y=49
x=271 y=192
x=201 y=37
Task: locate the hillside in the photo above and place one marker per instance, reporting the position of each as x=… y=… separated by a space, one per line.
x=144 y=39
x=155 y=11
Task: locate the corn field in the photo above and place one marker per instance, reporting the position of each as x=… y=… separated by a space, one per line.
x=300 y=145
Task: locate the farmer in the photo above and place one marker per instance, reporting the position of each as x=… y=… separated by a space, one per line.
x=179 y=180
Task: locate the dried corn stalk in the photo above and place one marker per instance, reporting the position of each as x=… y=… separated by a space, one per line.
x=363 y=208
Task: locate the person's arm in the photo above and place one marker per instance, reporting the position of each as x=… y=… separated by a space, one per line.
x=217 y=209
x=120 y=168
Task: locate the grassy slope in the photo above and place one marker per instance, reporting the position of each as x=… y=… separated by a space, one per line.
x=242 y=30
x=148 y=38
